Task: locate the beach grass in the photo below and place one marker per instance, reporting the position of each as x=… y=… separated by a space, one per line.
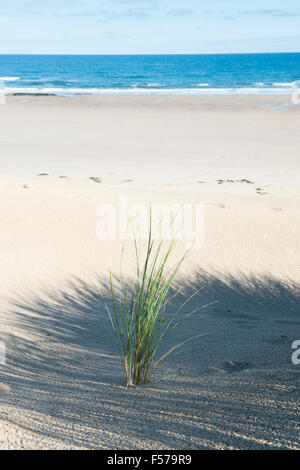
x=141 y=315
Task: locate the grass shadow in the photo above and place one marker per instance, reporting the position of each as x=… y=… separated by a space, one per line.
x=67 y=381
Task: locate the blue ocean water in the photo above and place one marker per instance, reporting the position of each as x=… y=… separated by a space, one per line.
x=149 y=74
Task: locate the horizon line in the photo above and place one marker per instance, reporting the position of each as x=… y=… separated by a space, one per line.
x=145 y=54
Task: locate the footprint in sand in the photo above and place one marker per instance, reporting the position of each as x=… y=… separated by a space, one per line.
x=282 y=339
x=4 y=388
x=245 y=181
x=95 y=179
x=229 y=367
x=235 y=181
x=235 y=366
x=260 y=191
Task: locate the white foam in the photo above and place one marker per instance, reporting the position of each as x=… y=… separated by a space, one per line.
x=285 y=84
x=9 y=79
x=154 y=84
x=148 y=91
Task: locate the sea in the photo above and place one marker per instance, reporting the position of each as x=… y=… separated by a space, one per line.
x=70 y=75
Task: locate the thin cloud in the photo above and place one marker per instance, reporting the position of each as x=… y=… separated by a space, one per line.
x=138 y=2
x=114 y=35
x=143 y=4
x=179 y=12
x=106 y=15
x=112 y=15
x=234 y=14
x=279 y=13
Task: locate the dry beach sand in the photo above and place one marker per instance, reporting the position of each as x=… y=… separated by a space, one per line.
x=63 y=385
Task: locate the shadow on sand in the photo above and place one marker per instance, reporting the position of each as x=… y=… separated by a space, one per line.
x=236 y=388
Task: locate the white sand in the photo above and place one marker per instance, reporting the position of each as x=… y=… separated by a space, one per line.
x=152 y=139
x=63 y=385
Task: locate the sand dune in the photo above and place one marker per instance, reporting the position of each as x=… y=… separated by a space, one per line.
x=63 y=384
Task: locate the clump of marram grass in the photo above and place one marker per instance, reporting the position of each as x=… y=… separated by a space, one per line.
x=140 y=316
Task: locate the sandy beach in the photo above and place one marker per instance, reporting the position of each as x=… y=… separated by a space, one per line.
x=62 y=386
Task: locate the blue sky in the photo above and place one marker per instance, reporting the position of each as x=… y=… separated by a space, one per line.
x=148 y=26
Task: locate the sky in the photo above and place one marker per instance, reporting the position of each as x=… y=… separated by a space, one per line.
x=148 y=26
